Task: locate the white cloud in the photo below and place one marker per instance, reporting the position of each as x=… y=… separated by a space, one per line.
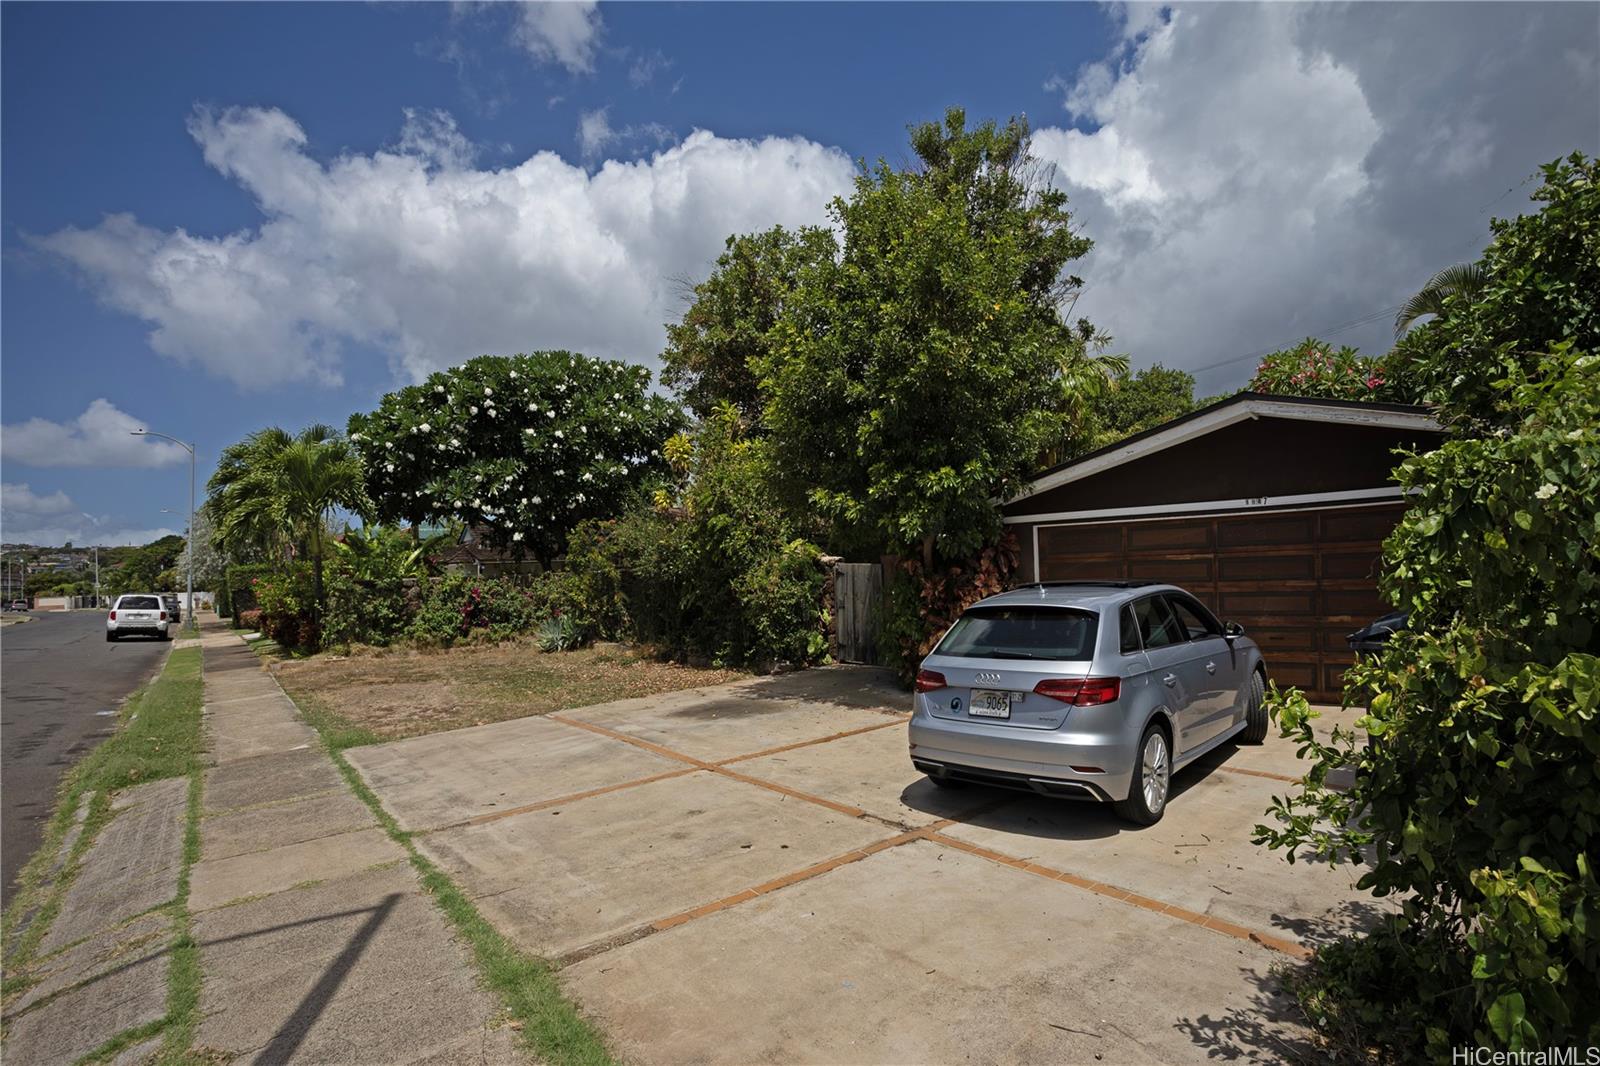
x=561 y=31
x=411 y=251
x=26 y=517
x=594 y=132
x=1251 y=174
x=101 y=436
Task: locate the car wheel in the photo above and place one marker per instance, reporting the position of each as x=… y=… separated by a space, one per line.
x=1152 y=779
x=1255 y=715
x=111 y=638
x=947 y=782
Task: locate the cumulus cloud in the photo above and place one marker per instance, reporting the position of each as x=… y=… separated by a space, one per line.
x=413 y=251
x=28 y=517
x=101 y=436
x=561 y=31
x=1251 y=174
x=597 y=135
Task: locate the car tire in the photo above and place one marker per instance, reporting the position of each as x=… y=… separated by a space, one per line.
x=1255 y=715
x=111 y=638
x=947 y=782
x=1152 y=767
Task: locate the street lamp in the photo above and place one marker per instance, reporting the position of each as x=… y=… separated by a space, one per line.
x=95 y=521
x=188 y=542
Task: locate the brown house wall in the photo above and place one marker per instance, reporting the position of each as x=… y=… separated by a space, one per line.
x=1256 y=458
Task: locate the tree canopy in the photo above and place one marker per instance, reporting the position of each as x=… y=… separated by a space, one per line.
x=921 y=372
x=525 y=446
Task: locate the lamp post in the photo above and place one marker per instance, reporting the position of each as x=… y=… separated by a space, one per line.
x=188 y=542
x=91 y=518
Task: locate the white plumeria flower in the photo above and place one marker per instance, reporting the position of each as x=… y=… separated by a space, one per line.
x=389 y=467
x=560 y=472
x=492 y=413
x=455 y=503
x=454 y=443
x=355 y=436
x=586 y=476
x=425 y=427
x=488 y=392
x=1546 y=491
x=477 y=503
x=537 y=500
x=561 y=387
x=438 y=388
x=473 y=409
x=550 y=413
x=516 y=536
x=616 y=395
x=513 y=375
x=388 y=444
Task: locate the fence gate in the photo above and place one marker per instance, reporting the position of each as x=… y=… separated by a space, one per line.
x=858 y=607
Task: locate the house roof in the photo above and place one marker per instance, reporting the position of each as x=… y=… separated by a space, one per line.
x=1238 y=408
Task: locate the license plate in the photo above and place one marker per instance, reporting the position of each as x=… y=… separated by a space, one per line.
x=988 y=703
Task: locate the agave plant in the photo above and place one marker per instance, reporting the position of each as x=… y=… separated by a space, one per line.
x=559 y=633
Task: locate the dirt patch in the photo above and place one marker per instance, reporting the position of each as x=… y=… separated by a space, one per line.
x=405 y=693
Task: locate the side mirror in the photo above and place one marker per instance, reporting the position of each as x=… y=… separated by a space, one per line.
x=1232 y=631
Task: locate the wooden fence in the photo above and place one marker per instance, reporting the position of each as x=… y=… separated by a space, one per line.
x=858 y=610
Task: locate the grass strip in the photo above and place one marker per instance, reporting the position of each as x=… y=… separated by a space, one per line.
x=158 y=736
x=552 y=1028
x=183 y=970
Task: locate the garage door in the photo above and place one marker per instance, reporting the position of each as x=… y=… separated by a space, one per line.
x=1298 y=581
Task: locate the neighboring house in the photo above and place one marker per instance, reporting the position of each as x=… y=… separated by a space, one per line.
x=472 y=553
x=1271 y=508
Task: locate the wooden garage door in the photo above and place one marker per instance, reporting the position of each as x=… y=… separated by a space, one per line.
x=1298 y=581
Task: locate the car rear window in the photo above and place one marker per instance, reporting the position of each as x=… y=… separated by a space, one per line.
x=1021 y=633
x=139 y=603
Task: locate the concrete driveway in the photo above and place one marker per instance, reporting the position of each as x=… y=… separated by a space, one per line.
x=755 y=873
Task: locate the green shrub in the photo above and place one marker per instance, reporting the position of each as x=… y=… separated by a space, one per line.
x=457 y=607
x=712 y=569
x=1477 y=801
x=362 y=611
x=287 y=605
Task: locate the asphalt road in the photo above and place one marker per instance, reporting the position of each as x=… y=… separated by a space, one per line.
x=58 y=677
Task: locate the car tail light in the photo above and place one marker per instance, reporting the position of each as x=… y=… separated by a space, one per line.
x=163 y=617
x=1081 y=691
x=112 y=616
x=928 y=680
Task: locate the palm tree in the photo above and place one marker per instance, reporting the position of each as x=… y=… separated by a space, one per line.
x=1466 y=280
x=274 y=493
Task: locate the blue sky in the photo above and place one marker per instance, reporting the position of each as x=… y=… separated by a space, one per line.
x=221 y=216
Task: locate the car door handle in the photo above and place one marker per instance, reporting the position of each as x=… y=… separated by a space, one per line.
x=1170 y=680
x=1211 y=668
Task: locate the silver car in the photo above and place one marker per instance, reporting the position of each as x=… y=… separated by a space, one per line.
x=1086 y=690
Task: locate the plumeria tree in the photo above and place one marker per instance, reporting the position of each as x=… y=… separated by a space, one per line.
x=524 y=446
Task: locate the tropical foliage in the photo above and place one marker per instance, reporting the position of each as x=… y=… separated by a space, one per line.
x=922 y=371
x=714 y=352
x=713 y=568
x=1477 y=800
x=1318 y=369
x=524 y=446
x=1462 y=281
x=1137 y=402
x=274 y=494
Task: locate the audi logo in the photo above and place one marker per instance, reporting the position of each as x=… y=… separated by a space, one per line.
x=986 y=678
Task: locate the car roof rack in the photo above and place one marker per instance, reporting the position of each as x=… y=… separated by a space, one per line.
x=1108 y=583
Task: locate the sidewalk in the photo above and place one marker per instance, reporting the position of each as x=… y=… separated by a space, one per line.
x=316 y=943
